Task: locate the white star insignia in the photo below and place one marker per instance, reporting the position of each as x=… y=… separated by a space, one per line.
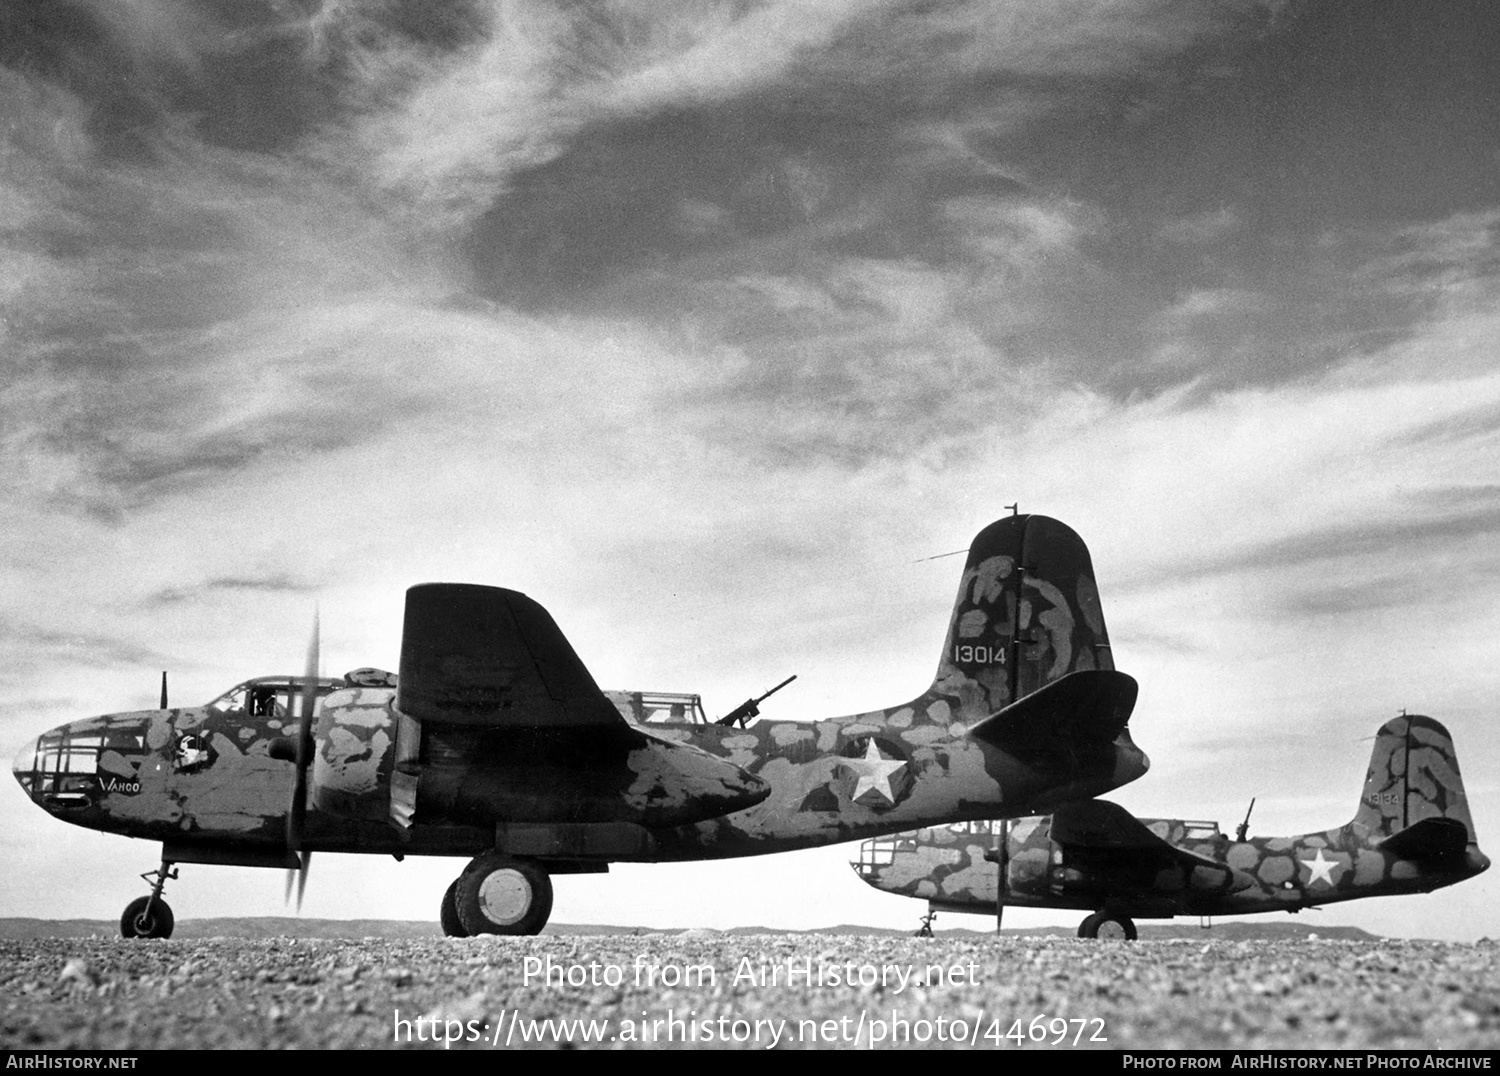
x=1321 y=869
x=875 y=772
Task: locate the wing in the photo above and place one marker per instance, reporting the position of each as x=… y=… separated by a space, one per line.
x=492 y=658
x=499 y=721
x=1103 y=827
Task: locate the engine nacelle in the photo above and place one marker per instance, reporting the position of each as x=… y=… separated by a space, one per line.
x=355 y=749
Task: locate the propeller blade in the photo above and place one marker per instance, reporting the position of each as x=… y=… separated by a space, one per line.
x=298 y=813
x=1003 y=860
x=300 y=875
x=163 y=705
x=302 y=879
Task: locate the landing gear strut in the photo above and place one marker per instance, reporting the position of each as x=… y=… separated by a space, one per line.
x=498 y=895
x=150 y=917
x=1109 y=926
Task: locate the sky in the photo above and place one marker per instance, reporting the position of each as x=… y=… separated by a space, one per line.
x=709 y=326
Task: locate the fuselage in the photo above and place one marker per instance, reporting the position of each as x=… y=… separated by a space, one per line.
x=209 y=777
x=956 y=868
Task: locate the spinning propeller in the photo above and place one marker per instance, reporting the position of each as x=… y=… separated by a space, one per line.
x=1000 y=856
x=297 y=816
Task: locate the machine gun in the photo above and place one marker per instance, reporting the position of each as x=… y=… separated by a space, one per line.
x=1244 y=827
x=751 y=707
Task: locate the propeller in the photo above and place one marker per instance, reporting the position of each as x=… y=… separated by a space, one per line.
x=297 y=816
x=163 y=705
x=1002 y=858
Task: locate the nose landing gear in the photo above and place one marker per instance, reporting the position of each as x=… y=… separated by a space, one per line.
x=150 y=917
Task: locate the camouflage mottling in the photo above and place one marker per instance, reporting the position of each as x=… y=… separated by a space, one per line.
x=224 y=769
x=1273 y=870
x=1413 y=775
x=1369 y=867
x=352 y=767
x=238 y=792
x=117 y=764
x=672 y=776
x=788 y=735
x=1154 y=868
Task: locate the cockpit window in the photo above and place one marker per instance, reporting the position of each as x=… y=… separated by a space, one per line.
x=59 y=753
x=263 y=703
x=229 y=702
x=270 y=696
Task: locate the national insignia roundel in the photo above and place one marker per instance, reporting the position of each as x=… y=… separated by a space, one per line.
x=875 y=772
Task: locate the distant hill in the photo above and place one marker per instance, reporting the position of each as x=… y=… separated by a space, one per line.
x=289 y=927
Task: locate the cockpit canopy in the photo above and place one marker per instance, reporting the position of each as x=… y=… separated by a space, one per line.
x=272 y=696
x=280 y=696
x=658 y=707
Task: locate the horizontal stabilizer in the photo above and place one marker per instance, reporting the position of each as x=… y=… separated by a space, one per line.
x=1431 y=838
x=483 y=656
x=1090 y=706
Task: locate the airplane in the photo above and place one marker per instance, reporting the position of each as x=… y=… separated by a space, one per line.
x=1412 y=833
x=493 y=741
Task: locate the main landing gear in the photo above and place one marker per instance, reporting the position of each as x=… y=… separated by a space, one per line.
x=150 y=917
x=1108 y=926
x=497 y=895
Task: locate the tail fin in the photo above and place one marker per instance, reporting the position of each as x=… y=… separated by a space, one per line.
x=1027 y=614
x=1413 y=777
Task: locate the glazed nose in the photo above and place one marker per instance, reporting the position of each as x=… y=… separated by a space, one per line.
x=25 y=768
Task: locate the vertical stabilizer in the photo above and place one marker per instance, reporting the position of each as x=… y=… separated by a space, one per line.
x=1413 y=777
x=1027 y=614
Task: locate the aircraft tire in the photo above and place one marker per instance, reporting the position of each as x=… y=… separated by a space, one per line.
x=1113 y=927
x=453 y=926
x=499 y=895
x=135 y=923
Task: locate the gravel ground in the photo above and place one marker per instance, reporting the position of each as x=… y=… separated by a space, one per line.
x=712 y=989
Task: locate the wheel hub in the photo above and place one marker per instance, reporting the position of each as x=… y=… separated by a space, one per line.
x=505 y=897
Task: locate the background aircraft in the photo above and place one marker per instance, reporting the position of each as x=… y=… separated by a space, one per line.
x=495 y=742
x=1412 y=833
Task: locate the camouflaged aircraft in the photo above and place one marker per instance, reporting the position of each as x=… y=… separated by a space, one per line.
x=1412 y=834
x=494 y=742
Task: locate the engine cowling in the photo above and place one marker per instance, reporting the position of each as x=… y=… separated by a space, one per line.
x=355 y=740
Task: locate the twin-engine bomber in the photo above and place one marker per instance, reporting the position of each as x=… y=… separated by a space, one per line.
x=495 y=742
x=1412 y=833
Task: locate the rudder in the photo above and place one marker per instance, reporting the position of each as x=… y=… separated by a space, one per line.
x=1027 y=614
